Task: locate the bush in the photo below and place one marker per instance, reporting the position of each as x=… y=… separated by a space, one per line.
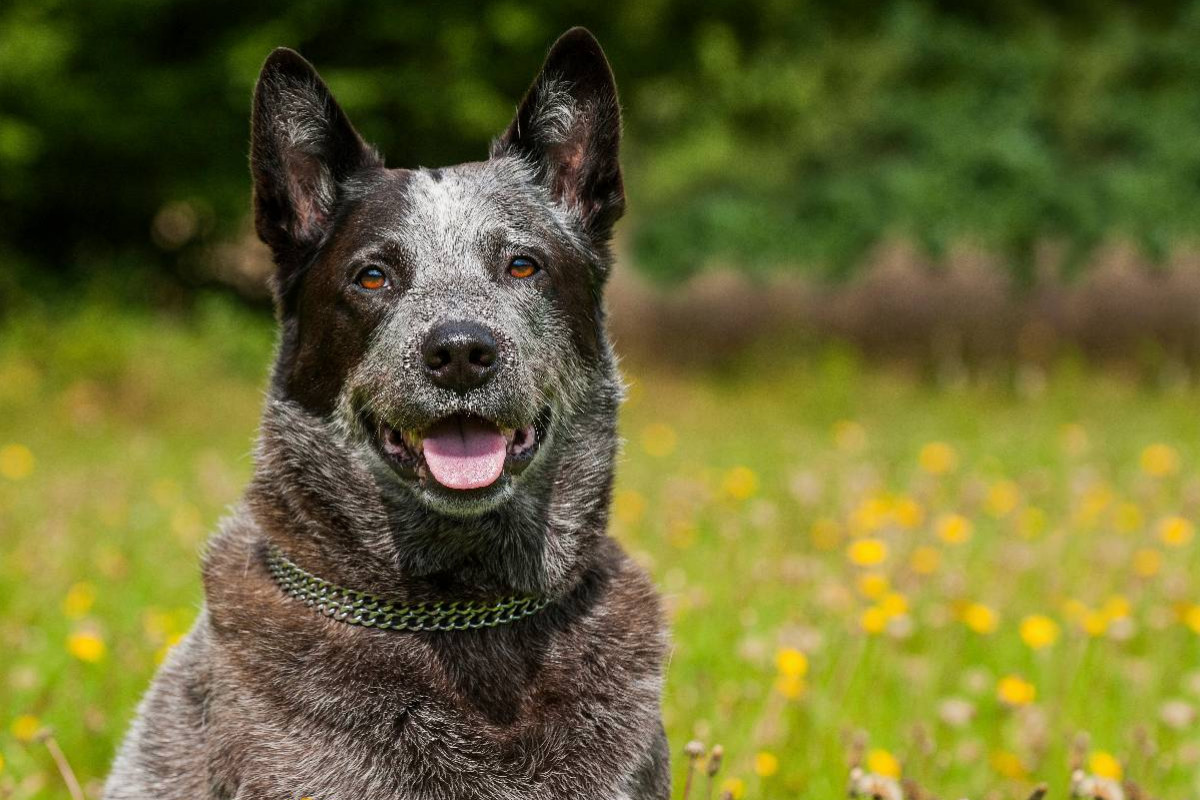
x=760 y=134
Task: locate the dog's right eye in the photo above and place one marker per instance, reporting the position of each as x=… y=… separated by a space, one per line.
x=371 y=278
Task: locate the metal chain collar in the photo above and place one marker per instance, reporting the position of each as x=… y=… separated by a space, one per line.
x=360 y=608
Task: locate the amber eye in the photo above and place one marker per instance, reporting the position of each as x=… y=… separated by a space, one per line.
x=522 y=267
x=371 y=278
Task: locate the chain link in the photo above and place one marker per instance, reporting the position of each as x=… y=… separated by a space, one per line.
x=368 y=611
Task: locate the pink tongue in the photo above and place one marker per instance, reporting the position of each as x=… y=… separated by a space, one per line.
x=465 y=453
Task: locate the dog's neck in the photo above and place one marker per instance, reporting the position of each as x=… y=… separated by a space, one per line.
x=315 y=495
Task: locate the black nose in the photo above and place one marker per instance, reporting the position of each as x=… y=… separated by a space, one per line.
x=459 y=355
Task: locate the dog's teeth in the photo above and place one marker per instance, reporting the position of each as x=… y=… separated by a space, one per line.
x=509 y=433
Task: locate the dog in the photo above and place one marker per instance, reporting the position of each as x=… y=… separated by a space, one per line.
x=417 y=596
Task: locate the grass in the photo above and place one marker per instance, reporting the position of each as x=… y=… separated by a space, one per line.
x=846 y=552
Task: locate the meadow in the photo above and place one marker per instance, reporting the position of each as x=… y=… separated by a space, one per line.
x=952 y=580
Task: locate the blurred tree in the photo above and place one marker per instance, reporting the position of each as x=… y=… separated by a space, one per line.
x=761 y=133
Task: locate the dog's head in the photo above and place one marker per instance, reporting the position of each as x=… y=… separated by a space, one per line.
x=446 y=322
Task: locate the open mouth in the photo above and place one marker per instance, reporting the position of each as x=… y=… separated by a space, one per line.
x=461 y=452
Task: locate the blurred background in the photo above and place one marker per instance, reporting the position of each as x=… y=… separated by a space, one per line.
x=909 y=300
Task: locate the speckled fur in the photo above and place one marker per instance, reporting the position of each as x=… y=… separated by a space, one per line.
x=266 y=698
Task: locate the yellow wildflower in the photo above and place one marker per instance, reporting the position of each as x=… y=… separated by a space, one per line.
x=925 y=560
x=954 y=528
x=1176 y=531
x=1160 y=460
x=86 y=645
x=1105 y=765
x=1147 y=562
x=1002 y=498
x=937 y=458
x=1094 y=623
x=1014 y=690
x=1039 y=631
x=629 y=505
x=16 y=462
x=25 y=727
x=1191 y=618
x=790 y=661
x=1128 y=517
x=765 y=764
x=907 y=512
x=736 y=788
x=1009 y=765
x=790 y=686
x=867 y=552
x=79 y=599
x=871 y=515
x=980 y=618
x=881 y=762
x=740 y=483
x=872 y=585
x=659 y=439
x=894 y=604
x=873 y=620
x=1116 y=607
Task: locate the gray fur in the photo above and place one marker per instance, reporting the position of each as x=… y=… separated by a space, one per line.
x=265 y=698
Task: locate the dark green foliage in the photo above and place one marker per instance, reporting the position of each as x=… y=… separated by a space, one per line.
x=763 y=134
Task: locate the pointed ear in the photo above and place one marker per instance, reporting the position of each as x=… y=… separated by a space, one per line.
x=302 y=149
x=569 y=127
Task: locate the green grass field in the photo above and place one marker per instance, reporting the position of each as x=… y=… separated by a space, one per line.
x=970 y=575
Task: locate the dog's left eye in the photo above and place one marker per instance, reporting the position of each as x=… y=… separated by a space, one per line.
x=371 y=278
x=522 y=267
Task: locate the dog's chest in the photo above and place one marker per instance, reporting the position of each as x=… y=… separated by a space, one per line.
x=431 y=719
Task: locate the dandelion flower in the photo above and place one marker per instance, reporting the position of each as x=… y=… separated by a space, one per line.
x=954 y=529
x=867 y=552
x=790 y=686
x=1104 y=765
x=790 y=661
x=1191 y=618
x=86 y=646
x=872 y=585
x=25 y=727
x=980 y=618
x=873 y=620
x=937 y=458
x=1009 y=765
x=16 y=462
x=659 y=439
x=736 y=788
x=925 y=560
x=1147 y=562
x=907 y=512
x=1014 y=690
x=629 y=505
x=893 y=604
x=1002 y=498
x=1039 y=631
x=740 y=483
x=79 y=600
x=1176 y=531
x=881 y=762
x=1160 y=460
x=765 y=764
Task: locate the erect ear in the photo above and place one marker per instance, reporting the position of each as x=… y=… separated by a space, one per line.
x=302 y=150
x=569 y=128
